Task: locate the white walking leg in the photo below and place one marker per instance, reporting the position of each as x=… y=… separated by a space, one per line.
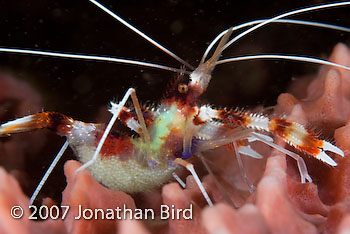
x=304 y=174
x=190 y=168
x=241 y=168
x=115 y=110
x=222 y=190
x=179 y=180
x=48 y=172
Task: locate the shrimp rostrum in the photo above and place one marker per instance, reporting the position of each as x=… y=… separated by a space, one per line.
x=167 y=135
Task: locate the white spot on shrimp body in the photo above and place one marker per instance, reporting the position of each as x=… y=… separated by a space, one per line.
x=81 y=134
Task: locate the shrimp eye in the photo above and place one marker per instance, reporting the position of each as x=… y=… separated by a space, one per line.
x=182 y=88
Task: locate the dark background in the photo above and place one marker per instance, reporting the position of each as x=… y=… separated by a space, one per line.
x=79 y=88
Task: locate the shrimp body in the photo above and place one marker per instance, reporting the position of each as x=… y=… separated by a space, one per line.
x=122 y=163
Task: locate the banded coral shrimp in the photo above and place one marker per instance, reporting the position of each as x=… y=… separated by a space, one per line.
x=114 y=94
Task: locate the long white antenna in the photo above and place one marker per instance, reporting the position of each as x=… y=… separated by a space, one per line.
x=308 y=9
x=142 y=34
x=284 y=57
x=92 y=57
x=286 y=21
